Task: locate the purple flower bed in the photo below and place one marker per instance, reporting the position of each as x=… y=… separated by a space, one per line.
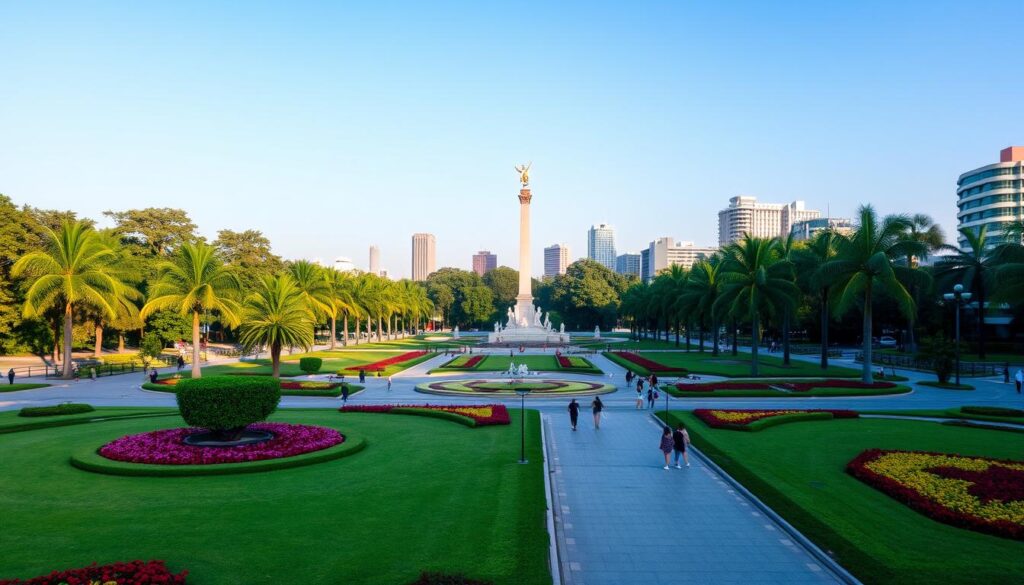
x=168 y=447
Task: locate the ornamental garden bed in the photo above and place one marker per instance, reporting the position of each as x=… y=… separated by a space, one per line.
x=756 y=420
x=129 y=573
x=729 y=366
x=783 y=388
x=977 y=413
x=463 y=362
x=542 y=387
x=977 y=493
x=799 y=471
x=576 y=365
x=381 y=365
x=471 y=416
x=645 y=366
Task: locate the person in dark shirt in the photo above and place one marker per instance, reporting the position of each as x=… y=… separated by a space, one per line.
x=598 y=406
x=574 y=412
x=152 y=376
x=650 y=398
x=680 y=440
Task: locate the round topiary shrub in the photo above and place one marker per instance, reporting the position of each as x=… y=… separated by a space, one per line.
x=310 y=365
x=226 y=404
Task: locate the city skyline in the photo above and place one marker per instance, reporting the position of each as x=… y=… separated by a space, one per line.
x=328 y=123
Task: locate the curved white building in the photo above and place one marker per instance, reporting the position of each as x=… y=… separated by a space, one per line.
x=992 y=195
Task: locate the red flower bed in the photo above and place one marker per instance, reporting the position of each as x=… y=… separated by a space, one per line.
x=473 y=361
x=310 y=385
x=646 y=363
x=382 y=364
x=130 y=573
x=726 y=418
x=851 y=384
x=713 y=386
x=976 y=493
x=791 y=386
x=564 y=362
x=167 y=447
x=484 y=415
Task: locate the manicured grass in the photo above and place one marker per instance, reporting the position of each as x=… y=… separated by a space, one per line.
x=997 y=358
x=798 y=470
x=329 y=393
x=738 y=366
x=10 y=422
x=500 y=363
x=337 y=360
x=539 y=388
x=956 y=413
x=419 y=342
x=945 y=385
x=425 y=494
x=776 y=394
x=17 y=387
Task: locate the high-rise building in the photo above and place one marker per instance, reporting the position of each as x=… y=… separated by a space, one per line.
x=343 y=264
x=645 y=264
x=665 y=252
x=374 y=267
x=556 y=259
x=484 y=262
x=601 y=245
x=808 y=229
x=423 y=256
x=628 y=264
x=761 y=220
x=992 y=196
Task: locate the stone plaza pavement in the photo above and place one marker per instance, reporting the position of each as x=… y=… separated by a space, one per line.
x=619 y=517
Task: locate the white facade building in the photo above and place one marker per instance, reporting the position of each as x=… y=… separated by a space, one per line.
x=808 y=229
x=424 y=256
x=556 y=259
x=993 y=196
x=665 y=252
x=761 y=220
x=374 y=267
x=601 y=245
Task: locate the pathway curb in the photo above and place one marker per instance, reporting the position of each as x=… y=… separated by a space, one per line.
x=554 y=564
x=820 y=555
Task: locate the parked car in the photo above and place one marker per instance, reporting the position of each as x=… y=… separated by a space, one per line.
x=887 y=341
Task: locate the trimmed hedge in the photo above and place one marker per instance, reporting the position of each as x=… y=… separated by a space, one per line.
x=310 y=365
x=60 y=409
x=434 y=413
x=89 y=459
x=991 y=411
x=227 y=402
x=782 y=419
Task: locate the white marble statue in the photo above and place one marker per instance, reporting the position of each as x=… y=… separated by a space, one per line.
x=496 y=327
x=511 y=318
x=597 y=332
x=456 y=332
x=561 y=328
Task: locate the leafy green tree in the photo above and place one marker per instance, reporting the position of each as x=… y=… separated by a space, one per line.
x=756 y=282
x=191 y=281
x=922 y=230
x=462 y=306
x=975 y=267
x=160 y=228
x=151 y=347
x=940 y=353
x=249 y=254
x=809 y=261
x=588 y=294
x=276 y=315
x=864 y=264
x=316 y=289
x=504 y=284
x=168 y=325
x=443 y=298
x=477 y=305
x=74 y=269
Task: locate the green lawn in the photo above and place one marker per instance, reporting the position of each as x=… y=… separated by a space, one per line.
x=10 y=422
x=419 y=342
x=738 y=366
x=952 y=413
x=536 y=363
x=334 y=361
x=541 y=388
x=16 y=387
x=325 y=393
x=999 y=358
x=776 y=394
x=798 y=470
x=426 y=494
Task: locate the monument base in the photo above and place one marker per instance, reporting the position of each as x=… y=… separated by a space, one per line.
x=528 y=336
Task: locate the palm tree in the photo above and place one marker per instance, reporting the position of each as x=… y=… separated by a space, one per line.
x=341 y=301
x=864 y=262
x=75 y=268
x=923 y=230
x=756 y=282
x=191 y=281
x=808 y=261
x=675 y=277
x=975 y=267
x=124 y=303
x=787 y=250
x=276 y=315
x=698 y=297
x=316 y=290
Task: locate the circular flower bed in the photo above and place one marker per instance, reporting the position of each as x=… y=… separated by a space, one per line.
x=504 y=388
x=167 y=447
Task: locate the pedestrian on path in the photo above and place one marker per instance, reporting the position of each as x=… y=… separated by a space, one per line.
x=1006 y=372
x=92 y=373
x=639 y=399
x=574 y=412
x=629 y=377
x=639 y=384
x=389 y=383
x=650 y=398
x=344 y=393
x=680 y=441
x=598 y=406
x=666 y=444
x=10 y=376
x=152 y=376
x=181 y=363
x=1019 y=378
x=75 y=372
x=362 y=376
x=654 y=380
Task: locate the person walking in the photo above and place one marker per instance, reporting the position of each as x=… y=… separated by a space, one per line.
x=344 y=393
x=598 y=406
x=92 y=373
x=680 y=441
x=362 y=376
x=152 y=376
x=389 y=383
x=629 y=377
x=181 y=363
x=574 y=412
x=10 y=376
x=666 y=444
x=1019 y=378
x=650 y=398
x=639 y=399
x=639 y=384
x=1006 y=372
x=654 y=380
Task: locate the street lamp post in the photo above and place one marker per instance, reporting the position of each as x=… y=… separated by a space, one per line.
x=522 y=391
x=959 y=297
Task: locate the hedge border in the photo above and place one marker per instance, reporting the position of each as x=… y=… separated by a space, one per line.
x=89 y=459
x=63 y=409
x=945 y=386
x=352 y=389
x=434 y=413
x=853 y=392
x=63 y=422
x=425 y=388
x=22 y=386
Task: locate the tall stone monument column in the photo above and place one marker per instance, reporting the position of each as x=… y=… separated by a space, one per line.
x=524 y=300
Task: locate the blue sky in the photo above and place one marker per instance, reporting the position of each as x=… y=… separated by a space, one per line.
x=333 y=126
